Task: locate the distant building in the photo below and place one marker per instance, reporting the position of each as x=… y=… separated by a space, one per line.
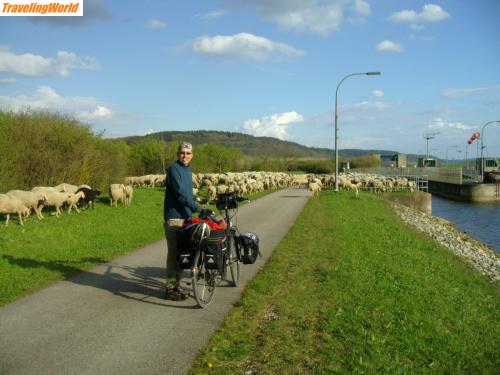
x=427 y=163
x=345 y=166
x=393 y=160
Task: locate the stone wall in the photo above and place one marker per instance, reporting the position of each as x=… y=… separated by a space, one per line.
x=480 y=256
x=418 y=200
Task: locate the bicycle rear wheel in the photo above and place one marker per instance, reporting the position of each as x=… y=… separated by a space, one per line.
x=203 y=281
x=233 y=261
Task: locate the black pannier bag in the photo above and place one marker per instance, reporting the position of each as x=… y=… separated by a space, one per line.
x=248 y=243
x=185 y=248
x=214 y=248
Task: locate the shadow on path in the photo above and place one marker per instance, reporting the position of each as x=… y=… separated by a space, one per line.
x=136 y=283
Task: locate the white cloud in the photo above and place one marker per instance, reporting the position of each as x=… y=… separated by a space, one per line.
x=430 y=13
x=84 y=108
x=28 y=64
x=275 y=125
x=210 y=15
x=243 y=46
x=362 y=7
x=156 y=24
x=101 y=112
x=378 y=106
x=7 y=81
x=456 y=93
x=391 y=46
x=439 y=123
x=377 y=93
x=320 y=17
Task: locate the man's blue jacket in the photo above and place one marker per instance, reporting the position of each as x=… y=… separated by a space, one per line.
x=179 y=200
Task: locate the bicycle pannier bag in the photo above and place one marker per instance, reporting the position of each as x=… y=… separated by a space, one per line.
x=185 y=249
x=249 y=244
x=214 y=247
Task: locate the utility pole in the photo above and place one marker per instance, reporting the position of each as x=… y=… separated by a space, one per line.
x=428 y=136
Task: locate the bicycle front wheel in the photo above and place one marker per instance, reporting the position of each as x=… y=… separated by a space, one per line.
x=203 y=281
x=233 y=261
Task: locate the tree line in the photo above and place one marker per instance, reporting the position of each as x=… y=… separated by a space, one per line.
x=40 y=148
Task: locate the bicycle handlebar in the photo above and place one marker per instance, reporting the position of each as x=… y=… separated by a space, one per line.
x=229 y=200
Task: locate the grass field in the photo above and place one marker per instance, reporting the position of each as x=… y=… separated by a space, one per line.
x=41 y=252
x=352 y=290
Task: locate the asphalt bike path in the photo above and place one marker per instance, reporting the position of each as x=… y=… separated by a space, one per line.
x=113 y=319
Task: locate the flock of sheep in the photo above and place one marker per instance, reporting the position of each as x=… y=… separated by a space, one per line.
x=252 y=182
x=21 y=202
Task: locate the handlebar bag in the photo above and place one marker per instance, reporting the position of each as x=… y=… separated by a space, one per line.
x=249 y=242
x=214 y=247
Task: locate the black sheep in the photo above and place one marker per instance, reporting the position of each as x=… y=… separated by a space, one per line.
x=90 y=196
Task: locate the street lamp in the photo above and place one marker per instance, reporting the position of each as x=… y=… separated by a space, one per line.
x=336 y=122
x=482 y=147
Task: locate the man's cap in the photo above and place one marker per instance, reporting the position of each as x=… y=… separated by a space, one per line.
x=184 y=145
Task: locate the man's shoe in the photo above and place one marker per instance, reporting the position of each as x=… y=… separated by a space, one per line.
x=175 y=294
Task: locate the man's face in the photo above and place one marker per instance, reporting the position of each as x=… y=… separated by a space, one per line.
x=185 y=156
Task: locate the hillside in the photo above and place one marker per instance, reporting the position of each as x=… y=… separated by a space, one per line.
x=250 y=145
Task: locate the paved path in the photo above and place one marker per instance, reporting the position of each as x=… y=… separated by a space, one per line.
x=113 y=320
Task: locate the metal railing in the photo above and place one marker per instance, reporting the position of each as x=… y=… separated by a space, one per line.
x=451 y=175
x=420 y=180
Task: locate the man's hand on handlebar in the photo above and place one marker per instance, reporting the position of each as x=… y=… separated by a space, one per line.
x=205 y=213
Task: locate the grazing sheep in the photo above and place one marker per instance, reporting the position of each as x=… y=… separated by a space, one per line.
x=129 y=194
x=212 y=192
x=314 y=188
x=116 y=193
x=12 y=205
x=42 y=189
x=66 y=188
x=73 y=200
x=221 y=189
x=56 y=199
x=90 y=196
x=31 y=200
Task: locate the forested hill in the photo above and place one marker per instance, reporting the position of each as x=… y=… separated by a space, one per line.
x=250 y=145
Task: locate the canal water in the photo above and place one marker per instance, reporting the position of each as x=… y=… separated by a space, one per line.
x=481 y=221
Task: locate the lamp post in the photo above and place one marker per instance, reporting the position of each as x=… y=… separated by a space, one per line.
x=482 y=147
x=336 y=122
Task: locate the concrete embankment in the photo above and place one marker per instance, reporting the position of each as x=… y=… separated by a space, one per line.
x=476 y=253
x=474 y=193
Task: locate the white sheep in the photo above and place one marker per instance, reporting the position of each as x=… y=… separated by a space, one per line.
x=66 y=188
x=129 y=194
x=73 y=199
x=31 y=200
x=12 y=205
x=212 y=192
x=314 y=188
x=56 y=199
x=116 y=193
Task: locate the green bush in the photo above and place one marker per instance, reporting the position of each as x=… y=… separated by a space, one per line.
x=40 y=148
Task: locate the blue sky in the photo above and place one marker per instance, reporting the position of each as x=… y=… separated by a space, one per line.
x=267 y=68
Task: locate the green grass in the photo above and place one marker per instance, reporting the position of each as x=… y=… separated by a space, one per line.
x=41 y=252
x=351 y=289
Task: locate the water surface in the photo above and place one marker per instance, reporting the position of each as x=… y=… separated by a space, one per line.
x=481 y=221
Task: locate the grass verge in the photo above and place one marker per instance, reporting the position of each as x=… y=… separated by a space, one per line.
x=351 y=289
x=36 y=255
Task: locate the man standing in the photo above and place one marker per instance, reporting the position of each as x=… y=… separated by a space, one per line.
x=179 y=206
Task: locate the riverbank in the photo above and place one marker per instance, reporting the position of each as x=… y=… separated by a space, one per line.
x=353 y=289
x=480 y=256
